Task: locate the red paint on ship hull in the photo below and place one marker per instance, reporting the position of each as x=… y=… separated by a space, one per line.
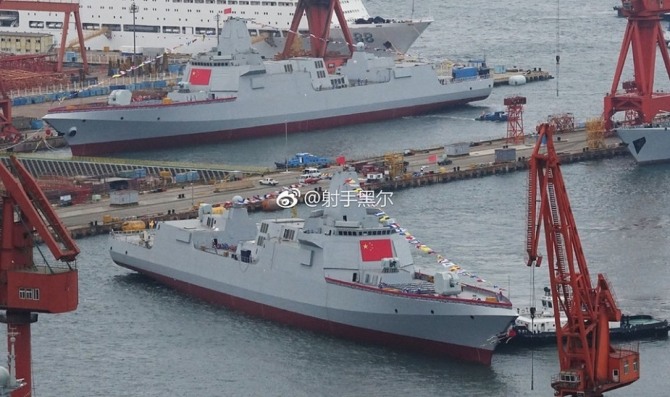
x=465 y=353
x=94 y=149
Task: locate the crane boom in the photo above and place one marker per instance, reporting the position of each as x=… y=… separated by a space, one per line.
x=644 y=38
x=589 y=364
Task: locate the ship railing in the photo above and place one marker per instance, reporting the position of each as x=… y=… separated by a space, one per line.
x=141 y=238
x=51 y=89
x=226 y=253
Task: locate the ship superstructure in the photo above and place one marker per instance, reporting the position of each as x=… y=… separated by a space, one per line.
x=340 y=271
x=233 y=93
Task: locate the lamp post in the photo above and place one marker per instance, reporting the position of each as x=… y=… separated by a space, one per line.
x=133 y=10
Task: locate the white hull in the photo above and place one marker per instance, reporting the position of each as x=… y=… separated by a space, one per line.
x=190 y=28
x=316 y=274
x=647 y=145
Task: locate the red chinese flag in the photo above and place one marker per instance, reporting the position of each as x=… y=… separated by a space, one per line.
x=340 y=160
x=432 y=158
x=227 y=10
x=199 y=76
x=375 y=250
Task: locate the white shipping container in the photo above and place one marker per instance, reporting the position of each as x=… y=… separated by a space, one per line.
x=124 y=197
x=457 y=149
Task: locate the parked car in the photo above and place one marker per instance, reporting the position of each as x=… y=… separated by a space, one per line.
x=445 y=161
x=268 y=182
x=308 y=180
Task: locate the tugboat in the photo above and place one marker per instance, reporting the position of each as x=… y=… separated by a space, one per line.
x=500 y=115
x=541 y=329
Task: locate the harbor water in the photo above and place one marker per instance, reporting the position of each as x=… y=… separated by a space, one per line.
x=132 y=336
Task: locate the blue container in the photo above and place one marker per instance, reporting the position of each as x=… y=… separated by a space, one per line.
x=18 y=101
x=36 y=124
x=160 y=84
x=181 y=177
x=117 y=87
x=192 y=176
x=174 y=68
x=70 y=56
x=462 y=73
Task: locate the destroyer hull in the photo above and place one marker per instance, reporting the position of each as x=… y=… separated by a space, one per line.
x=647 y=145
x=331 y=307
x=162 y=126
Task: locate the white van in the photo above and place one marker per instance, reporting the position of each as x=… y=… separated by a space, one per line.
x=311 y=172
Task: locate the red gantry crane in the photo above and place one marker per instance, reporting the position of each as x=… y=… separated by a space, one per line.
x=29 y=286
x=319 y=14
x=589 y=364
x=67 y=8
x=645 y=36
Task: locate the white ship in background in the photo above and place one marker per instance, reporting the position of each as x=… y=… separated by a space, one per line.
x=189 y=26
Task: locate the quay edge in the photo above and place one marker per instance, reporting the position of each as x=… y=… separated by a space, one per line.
x=95 y=227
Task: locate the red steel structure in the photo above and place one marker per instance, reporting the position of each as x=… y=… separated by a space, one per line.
x=589 y=364
x=645 y=36
x=7 y=129
x=515 y=118
x=28 y=287
x=54 y=6
x=319 y=14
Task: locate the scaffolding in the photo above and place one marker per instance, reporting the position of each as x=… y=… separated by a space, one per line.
x=514 y=105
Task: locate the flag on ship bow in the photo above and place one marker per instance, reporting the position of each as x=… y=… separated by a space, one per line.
x=376 y=250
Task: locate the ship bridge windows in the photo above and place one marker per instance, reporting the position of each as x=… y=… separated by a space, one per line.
x=54 y=25
x=255 y=3
x=289 y=234
x=270 y=3
x=142 y=28
x=199 y=1
x=90 y=26
x=288 y=68
x=205 y=31
x=171 y=29
x=270 y=33
x=112 y=27
x=338 y=82
x=36 y=24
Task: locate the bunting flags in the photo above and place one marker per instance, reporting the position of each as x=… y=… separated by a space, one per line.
x=441 y=260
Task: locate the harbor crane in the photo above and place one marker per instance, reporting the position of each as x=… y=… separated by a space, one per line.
x=319 y=14
x=644 y=35
x=589 y=364
x=30 y=285
x=66 y=8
